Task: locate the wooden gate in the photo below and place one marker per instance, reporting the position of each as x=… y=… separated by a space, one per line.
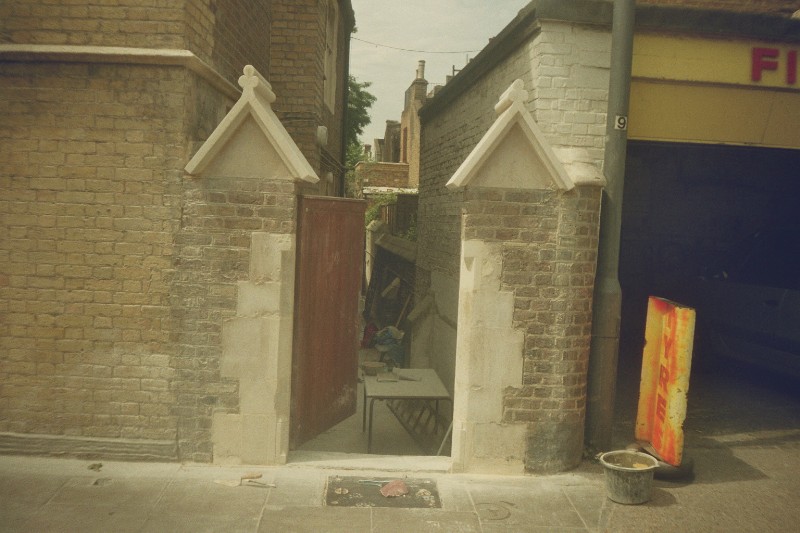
x=330 y=258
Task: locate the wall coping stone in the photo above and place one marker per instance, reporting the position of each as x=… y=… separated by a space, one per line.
x=256 y=103
x=119 y=55
x=565 y=169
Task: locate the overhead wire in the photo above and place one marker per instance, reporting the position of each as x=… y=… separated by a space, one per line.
x=413 y=50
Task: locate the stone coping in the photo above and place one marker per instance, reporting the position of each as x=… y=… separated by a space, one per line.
x=119 y=55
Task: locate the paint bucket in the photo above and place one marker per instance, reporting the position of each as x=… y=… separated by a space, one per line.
x=629 y=476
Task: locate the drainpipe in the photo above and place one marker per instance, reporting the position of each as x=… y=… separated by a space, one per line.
x=606 y=310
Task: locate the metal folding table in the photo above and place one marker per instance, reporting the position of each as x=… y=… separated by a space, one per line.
x=419 y=384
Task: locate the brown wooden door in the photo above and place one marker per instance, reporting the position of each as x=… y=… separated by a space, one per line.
x=330 y=258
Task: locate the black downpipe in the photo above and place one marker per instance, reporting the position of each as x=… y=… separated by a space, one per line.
x=607 y=304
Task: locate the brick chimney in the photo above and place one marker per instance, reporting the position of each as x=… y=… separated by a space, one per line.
x=421 y=69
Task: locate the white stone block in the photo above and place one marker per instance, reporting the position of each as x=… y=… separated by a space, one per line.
x=226 y=437
x=255 y=300
x=257 y=395
x=504 y=442
x=495 y=363
x=258 y=439
x=494 y=309
x=480 y=266
x=271 y=256
x=241 y=342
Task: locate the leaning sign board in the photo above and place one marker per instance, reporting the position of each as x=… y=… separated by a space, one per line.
x=669 y=335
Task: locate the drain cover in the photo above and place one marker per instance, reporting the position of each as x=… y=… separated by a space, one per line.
x=353 y=491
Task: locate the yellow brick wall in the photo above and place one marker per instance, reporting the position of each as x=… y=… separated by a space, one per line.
x=297 y=50
x=106 y=327
x=133 y=23
x=92 y=162
x=229 y=35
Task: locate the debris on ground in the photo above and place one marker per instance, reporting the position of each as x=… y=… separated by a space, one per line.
x=95 y=466
x=249 y=479
x=394 y=488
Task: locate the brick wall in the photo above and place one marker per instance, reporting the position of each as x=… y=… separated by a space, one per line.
x=130 y=23
x=90 y=175
x=224 y=34
x=391 y=142
x=549 y=258
x=212 y=256
x=410 y=128
x=548 y=255
x=283 y=39
x=239 y=29
x=570 y=85
x=382 y=174
x=448 y=138
x=111 y=311
x=297 y=45
x=549 y=237
x=567 y=79
x=118 y=271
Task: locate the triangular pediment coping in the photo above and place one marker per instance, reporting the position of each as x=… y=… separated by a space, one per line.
x=255 y=102
x=512 y=111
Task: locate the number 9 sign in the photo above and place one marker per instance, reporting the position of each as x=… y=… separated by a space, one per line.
x=621 y=122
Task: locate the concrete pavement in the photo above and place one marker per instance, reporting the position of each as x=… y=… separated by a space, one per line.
x=747 y=486
x=743 y=435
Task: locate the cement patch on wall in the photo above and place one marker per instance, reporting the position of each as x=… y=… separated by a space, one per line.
x=492 y=448
x=257 y=350
x=488 y=360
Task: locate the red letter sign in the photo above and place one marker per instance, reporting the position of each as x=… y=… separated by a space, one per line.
x=763 y=59
x=791 y=68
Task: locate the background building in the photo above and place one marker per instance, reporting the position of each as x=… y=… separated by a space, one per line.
x=714 y=144
x=116 y=269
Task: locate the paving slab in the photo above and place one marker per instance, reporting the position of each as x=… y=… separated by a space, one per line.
x=58 y=518
x=22 y=496
x=291 y=519
x=298 y=488
x=454 y=494
x=202 y=505
x=740 y=485
x=538 y=505
x=407 y=520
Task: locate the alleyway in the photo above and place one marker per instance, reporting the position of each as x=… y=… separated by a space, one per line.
x=389 y=437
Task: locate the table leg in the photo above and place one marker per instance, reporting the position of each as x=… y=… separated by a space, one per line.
x=369 y=431
x=364 y=415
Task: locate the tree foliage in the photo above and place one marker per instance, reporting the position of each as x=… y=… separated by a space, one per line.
x=359 y=102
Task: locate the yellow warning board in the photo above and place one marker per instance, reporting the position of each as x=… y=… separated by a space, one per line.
x=667 y=361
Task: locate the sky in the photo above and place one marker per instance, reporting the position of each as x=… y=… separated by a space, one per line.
x=459 y=27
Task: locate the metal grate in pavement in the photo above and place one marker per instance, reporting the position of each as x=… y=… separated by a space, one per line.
x=355 y=491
